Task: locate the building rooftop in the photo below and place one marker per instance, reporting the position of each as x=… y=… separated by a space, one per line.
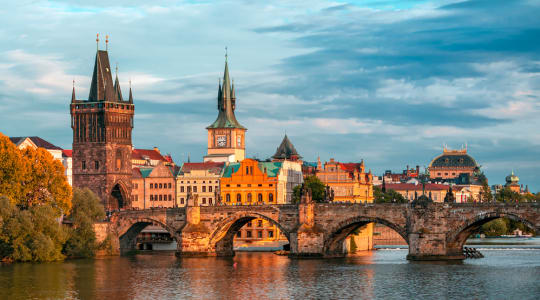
x=39 y=142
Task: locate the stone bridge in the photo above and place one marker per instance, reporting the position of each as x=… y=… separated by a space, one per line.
x=436 y=231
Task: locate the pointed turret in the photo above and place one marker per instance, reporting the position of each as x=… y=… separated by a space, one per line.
x=130 y=93
x=117 y=90
x=286 y=150
x=233 y=96
x=73 y=93
x=102 y=83
x=226 y=104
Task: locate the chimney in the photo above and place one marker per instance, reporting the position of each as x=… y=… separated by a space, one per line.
x=417 y=170
x=157 y=150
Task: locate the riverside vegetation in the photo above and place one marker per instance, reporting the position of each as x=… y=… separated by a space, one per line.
x=35 y=198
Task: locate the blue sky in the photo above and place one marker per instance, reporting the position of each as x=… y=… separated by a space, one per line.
x=385 y=81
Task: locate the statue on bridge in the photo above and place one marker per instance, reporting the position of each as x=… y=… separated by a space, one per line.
x=450 y=197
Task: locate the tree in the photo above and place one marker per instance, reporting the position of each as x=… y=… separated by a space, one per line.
x=32 y=234
x=390 y=196
x=86 y=210
x=46 y=182
x=485 y=193
x=507 y=195
x=13 y=171
x=496 y=227
x=317 y=189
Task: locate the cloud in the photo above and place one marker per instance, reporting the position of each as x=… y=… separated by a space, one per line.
x=388 y=81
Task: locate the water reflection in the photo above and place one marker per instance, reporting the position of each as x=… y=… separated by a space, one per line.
x=368 y=275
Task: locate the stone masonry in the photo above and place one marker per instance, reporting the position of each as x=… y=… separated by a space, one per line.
x=436 y=231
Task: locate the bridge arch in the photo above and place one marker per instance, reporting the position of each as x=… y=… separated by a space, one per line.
x=458 y=237
x=333 y=241
x=221 y=239
x=129 y=229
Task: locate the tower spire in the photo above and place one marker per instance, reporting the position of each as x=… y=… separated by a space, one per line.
x=97 y=42
x=117 y=90
x=130 y=94
x=73 y=93
x=107 y=42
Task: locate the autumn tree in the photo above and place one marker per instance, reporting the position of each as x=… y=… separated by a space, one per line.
x=13 y=171
x=46 y=181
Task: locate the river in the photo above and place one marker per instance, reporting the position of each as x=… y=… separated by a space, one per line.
x=506 y=272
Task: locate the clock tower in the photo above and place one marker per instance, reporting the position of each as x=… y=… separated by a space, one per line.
x=226 y=137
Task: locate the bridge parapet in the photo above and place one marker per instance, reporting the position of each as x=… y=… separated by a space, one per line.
x=435 y=231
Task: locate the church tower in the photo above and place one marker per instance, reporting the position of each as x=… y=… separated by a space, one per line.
x=102 y=145
x=226 y=137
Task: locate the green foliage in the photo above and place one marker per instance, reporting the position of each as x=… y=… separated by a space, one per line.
x=86 y=210
x=485 y=193
x=390 y=196
x=507 y=195
x=317 y=189
x=496 y=227
x=34 y=234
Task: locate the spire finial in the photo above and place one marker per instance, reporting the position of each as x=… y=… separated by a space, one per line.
x=73 y=82
x=226 y=53
x=116 y=69
x=106 y=42
x=97 y=41
x=130 y=83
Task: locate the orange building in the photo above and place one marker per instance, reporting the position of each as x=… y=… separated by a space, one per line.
x=251 y=182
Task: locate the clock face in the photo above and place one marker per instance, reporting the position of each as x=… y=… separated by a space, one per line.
x=239 y=141
x=221 y=141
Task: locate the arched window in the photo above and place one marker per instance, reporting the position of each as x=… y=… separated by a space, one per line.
x=151 y=197
x=259 y=197
x=228 y=198
x=249 y=197
x=238 y=198
x=270 y=197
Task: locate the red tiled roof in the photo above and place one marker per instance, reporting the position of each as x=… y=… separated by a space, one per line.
x=67 y=153
x=349 y=166
x=416 y=187
x=187 y=167
x=151 y=154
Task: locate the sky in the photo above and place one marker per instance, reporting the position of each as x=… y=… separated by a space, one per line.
x=386 y=81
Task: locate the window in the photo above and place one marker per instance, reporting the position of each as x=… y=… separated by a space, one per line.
x=151 y=197
x=445 y=174
x=238 y=198
x=160 y=198
x=239 y=234
x=271 y=184
x=228 y=197
x=259 y=223
x=96 y=164
x=203 y=200
x=189 y=189
x=136 y=186
x=210 y=189
x=181 y=200
x=259 y=184
x=169 y=185
x=170 y=198
x=210 y=201
x=151 y=185
x=248 y=224
x=248 y=234
x=249 y=197
x=270 y=197
x=181 y=189
x=259 y=234
x=204 y=189
x=160 y=186
x=247 y=170
x=84 y=165
x=251 y=170
x=270 y=233
x=238 y=185
x=228 y=185
x=259 y=197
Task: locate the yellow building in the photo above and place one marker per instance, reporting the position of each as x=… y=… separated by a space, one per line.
x=350 y=183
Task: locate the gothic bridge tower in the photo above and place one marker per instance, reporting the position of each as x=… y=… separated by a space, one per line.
x=102 y=144
x=226 y=137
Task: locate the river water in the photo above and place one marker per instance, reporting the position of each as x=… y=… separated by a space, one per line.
x=506 y=272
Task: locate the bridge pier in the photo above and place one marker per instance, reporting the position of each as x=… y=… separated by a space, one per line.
x=194 y=239
x=431 y=246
